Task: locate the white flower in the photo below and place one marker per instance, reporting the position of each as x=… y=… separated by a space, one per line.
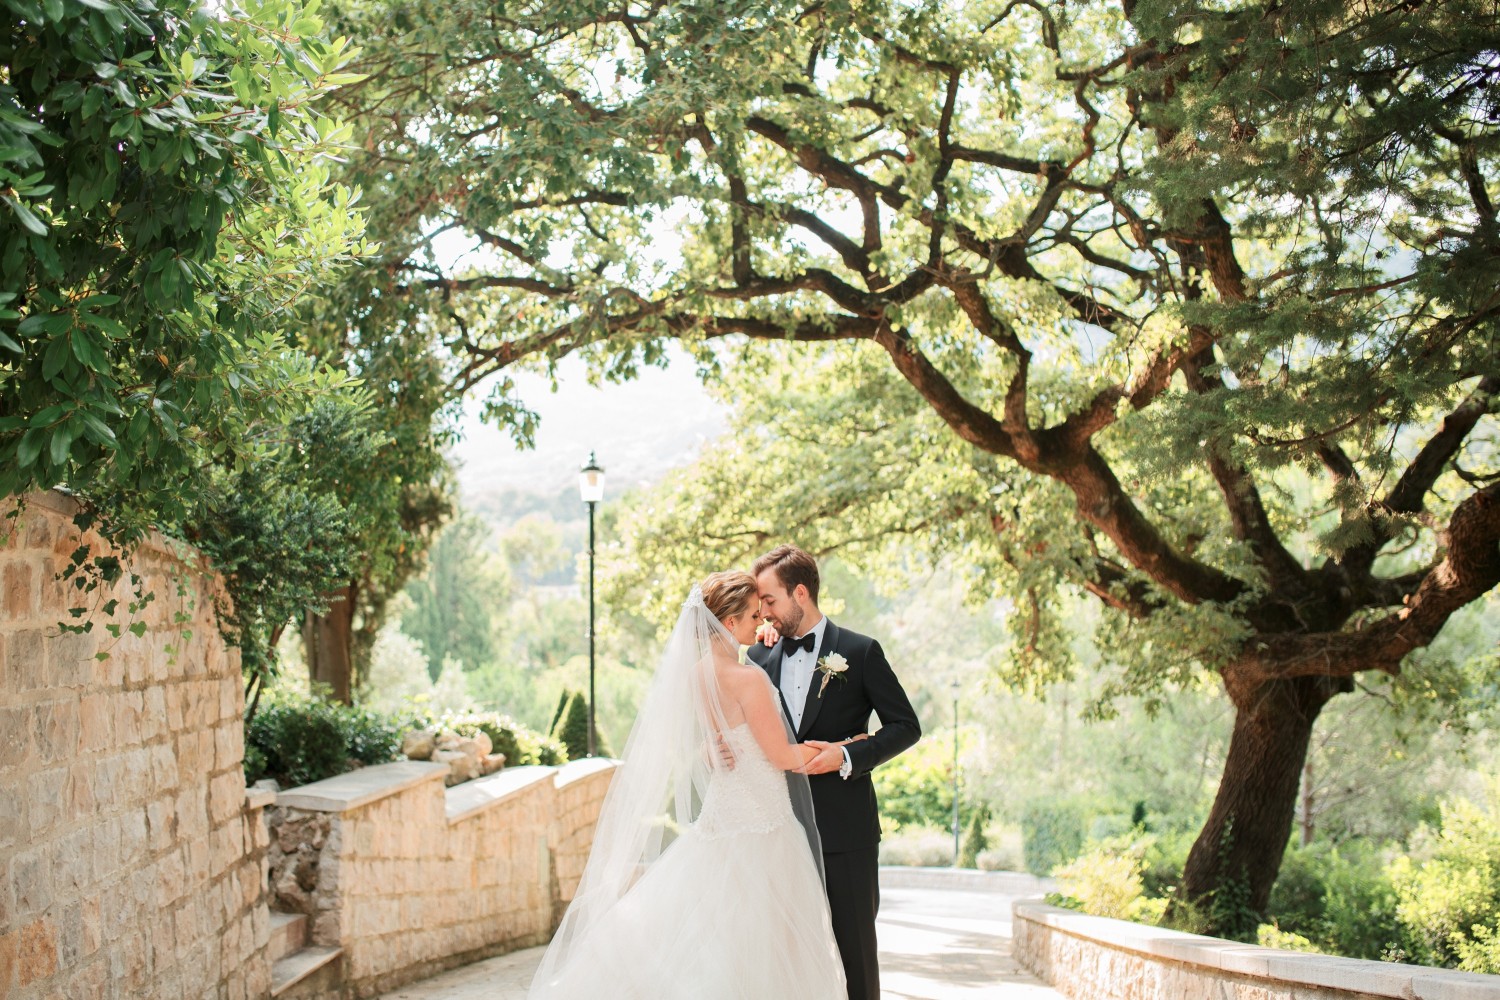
x=831 y=666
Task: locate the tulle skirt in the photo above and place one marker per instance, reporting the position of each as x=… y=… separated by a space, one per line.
x=721 y=916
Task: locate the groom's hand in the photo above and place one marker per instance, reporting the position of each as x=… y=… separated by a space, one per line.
x=829 y=759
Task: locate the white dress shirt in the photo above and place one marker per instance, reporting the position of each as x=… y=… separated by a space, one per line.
x=798 y=668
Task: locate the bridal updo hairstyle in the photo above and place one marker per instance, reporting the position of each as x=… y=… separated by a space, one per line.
x=728 y=593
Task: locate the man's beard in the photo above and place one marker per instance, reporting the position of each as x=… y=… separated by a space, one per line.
x=790 y=622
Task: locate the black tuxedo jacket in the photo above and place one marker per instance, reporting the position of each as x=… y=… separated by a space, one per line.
x=847 y=814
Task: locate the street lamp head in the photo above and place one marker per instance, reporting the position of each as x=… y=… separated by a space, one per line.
x=591 y=481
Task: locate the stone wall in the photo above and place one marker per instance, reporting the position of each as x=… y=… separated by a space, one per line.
x=1093 y=958
x=409 y=878
x=131 y=861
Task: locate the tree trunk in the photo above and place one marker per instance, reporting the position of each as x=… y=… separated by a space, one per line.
x=1309 y=816
x=329 y=641
x=1235 y=860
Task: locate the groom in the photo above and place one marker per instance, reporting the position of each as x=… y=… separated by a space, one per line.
x=827 y=707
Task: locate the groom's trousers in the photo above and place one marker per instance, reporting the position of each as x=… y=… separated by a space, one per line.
x=853 y=901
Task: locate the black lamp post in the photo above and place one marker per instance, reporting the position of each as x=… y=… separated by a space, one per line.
x=955 y=772
x=591 y=488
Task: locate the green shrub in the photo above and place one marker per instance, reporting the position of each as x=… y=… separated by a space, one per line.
x=1271 y=936
x=1449 y=903
x=1340 y=899
x=916 y=789
x=1106 y=882
x=1051 y=835
x=975 y=841
x=297 y=739
x=572 y=729
x=1298 y=897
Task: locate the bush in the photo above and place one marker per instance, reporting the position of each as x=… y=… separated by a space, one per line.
x=975 y=841
x=572 y=729
x=1271 y=936
x=297 y=740
x=1052 y=834
x=916 y=789
x=918 y=847
x=1106 y=882
x=1449 y=903
x=1339 y=899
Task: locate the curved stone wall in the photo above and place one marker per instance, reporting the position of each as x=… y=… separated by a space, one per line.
x=1094 y=958
x=131 y=862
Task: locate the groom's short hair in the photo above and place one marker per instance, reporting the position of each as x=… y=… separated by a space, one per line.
x=792 y=566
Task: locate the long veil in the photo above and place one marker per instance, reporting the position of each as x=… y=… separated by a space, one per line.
x=669 y=760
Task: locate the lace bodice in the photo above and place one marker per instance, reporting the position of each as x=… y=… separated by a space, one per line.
x=750 y=798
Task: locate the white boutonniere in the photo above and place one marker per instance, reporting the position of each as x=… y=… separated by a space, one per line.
x=831 y=666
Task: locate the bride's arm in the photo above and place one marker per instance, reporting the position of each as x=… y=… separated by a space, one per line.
x=754 y=696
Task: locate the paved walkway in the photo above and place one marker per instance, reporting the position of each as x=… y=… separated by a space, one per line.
x=943 y=936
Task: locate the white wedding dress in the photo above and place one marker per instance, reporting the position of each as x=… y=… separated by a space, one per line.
x=716 y=895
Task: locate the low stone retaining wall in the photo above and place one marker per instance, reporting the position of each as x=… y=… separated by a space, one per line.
x=409 y=878
x=1094 y=958
x=131 y=859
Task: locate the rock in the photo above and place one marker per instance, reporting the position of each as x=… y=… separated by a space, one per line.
x=448 y=740
x=486 y=745
x=418 y=744
x=492 y=762
x=266 y=785
x=471 y=747
x=461 y=766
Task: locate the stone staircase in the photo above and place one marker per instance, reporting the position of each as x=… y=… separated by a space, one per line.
x=301 y=971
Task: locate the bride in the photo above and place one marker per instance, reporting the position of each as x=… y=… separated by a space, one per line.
x=705 y=875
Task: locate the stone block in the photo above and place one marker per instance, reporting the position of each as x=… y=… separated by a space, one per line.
x=174 y=694
x=36 y=952
x=165 y=776
x=18 y=589
x=48 y=802
x=104 y=847
x=161 y=823
x=226 y=795
x=229 y=745
x=135 y=784
x=74 y=862
x=189 y=764
x=73 y=662
x=95 y=729
x=134 y=835
x=15 y=736
x=55 y=731
x=129 y=724
x=153 y=715
x=26 y=661
x=169 y=872
x=231 y=698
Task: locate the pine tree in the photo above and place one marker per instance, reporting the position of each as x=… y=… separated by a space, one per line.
x=572 y=728
x=976 y=841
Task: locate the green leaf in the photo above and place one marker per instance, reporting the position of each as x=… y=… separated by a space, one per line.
x=137 y=629
x=62 y=443
x=29 y=447
x=28 y=219
x=56 y=357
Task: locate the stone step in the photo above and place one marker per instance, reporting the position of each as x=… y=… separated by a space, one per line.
x=298 y=966
x=288 y=933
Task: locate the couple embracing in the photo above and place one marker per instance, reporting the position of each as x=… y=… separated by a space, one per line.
x=736 y=854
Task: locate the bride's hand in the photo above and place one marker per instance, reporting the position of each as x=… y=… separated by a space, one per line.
x=767 y=634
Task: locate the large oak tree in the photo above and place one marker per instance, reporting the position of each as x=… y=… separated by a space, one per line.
x=1137 y=258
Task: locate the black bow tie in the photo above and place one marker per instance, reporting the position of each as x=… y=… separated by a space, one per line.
x=792 y=645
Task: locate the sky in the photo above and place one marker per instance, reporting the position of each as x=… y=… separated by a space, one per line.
x=638 y=430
